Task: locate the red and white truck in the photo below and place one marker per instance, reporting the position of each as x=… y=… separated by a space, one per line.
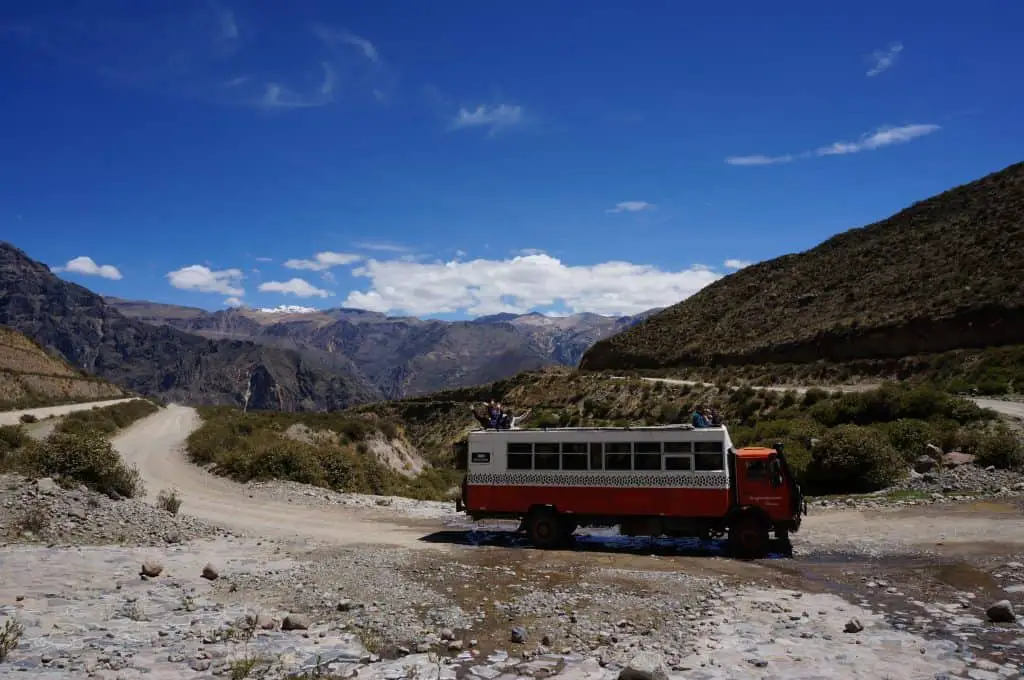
x=673 y=481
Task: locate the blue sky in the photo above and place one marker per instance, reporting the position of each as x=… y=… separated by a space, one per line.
x=463 y=158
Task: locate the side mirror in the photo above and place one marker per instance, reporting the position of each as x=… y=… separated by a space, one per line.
x=776 y=472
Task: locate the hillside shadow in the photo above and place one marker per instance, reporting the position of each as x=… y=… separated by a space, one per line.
x=598 y=541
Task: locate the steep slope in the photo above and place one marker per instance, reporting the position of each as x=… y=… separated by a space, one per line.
x=160 y=360
x=402 y=356
x=32 y=378
x=943 y=274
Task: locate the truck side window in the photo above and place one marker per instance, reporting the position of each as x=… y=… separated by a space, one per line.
x=708 y=461
x=757 y=469
x=596 y=456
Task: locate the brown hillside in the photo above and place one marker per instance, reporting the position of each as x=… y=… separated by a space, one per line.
x=944 y=274
x=30 y=377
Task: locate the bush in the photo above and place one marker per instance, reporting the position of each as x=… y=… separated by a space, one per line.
x=29 y=418
x=852 y=459
x=998 y=446
x=12 y=437
x=107 y=419
x=169 y=500
x=89 y=459
x=909 y=436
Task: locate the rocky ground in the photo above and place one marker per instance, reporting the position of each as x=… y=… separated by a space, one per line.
x=121 y=589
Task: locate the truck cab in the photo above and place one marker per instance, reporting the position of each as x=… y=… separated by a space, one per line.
x=765 y=488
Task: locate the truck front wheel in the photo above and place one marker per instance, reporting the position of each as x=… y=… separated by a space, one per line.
x=748 y=537
x=545 y=528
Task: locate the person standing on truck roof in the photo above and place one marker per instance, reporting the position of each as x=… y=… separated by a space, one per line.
x=698 y=418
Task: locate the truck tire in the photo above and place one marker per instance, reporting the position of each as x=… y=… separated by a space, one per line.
x=748 y=537
x=545 y=528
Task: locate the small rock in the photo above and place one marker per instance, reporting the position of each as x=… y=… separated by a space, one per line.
x=295 y=622
x=853 y=626
x=447 y=634
x=455 y=645
x=47 y=486
x=210 y=572
x=151 y=568
x=266 y=622
x=1001 y=612
x=924 y=464
x=345 y=605
x=518 y=635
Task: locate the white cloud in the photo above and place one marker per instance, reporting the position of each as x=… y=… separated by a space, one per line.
x=289 y=309
x=202 y=279
x=234 y=302
x=297 y=287
x=737 y=264
x=86 y=265
x=876 y=140
x=758 y=160
x=332 y=38
x=886 y=136
x=228 y=26
x=522 y=284
x=264 y=259
x=631 y=206
x=323 y=260
x=494 y=117
x=884 y=59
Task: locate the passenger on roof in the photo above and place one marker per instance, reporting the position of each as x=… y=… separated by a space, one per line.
x=698 y=418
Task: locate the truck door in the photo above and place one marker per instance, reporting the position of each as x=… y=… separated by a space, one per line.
x=755 y=485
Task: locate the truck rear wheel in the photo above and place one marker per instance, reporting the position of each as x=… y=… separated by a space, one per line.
x=748 y=537
x=546 y=528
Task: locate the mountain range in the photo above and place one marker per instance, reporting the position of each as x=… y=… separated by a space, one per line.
x=943 y=274
x=400 y=356
x=289 y=358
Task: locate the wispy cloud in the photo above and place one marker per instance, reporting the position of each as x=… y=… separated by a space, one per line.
x=737 y=264
x=234 y=302
x=88 y=267
x=278 y=96
x=493 y=117
x=758 y=160
x=381 y=246
x=202 y=279
x=883 y=137
x=334 y=37
x=323 y=261
x=876 y=140
x=884 y=59
x=297 y=287
x=228 y=27
x=631 y=207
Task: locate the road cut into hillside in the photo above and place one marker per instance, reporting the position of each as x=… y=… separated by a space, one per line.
x=14 y=417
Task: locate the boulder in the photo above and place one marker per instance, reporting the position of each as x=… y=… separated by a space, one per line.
x=645 y=666
x=210 y=572
x=295 y=622
x=956 y=459
x=924 y=464
x=1001 y=612
x=151 y=568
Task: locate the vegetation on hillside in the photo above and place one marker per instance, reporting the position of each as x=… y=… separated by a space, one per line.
x=85 y=457
x=941 y=275
x=258 y=446
x=991 y=371
x=836 y=442
x=106 y=420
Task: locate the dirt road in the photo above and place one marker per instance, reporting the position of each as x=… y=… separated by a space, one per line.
x=156 y=445
x=13 y=417
x=1007 y=408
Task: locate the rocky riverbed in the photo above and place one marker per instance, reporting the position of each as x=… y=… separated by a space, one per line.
x=109 y=596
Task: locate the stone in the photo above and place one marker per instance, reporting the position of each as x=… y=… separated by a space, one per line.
x=345 y=605
x=853 y=626
x=210 y=572
x=151 y=568
x=47 y=486
x=924 y=464
x=266 y=622
x=1001 y=612
x=295 y=622
x=645 y=666
x=956 y=459
x=518 y=635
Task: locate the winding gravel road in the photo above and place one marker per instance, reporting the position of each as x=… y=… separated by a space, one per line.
x=13 y=417
x=156 y=445
x=1008 y=408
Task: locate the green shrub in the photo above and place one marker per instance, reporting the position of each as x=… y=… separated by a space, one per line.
x=909 y=436
x=998 y=446
x=89 y=459
x=169 y=500
x=852 y=459
x=12 y=437
x=107 y=419
x=29 y=418
x=813 y=396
